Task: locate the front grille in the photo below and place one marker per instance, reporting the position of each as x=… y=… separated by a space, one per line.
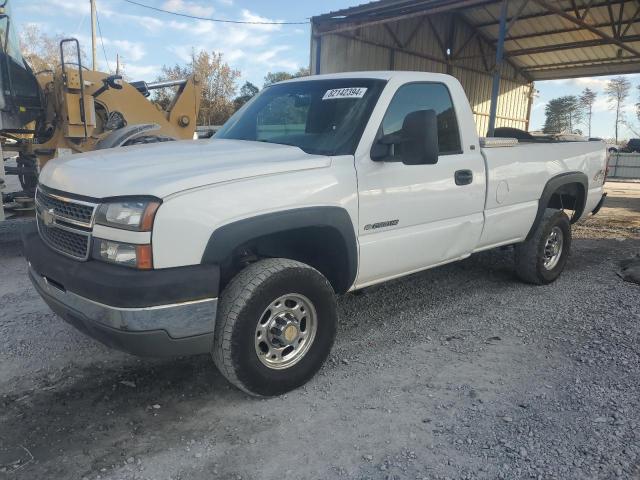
x=65 y=224
x=80 y=212
x=73 y=244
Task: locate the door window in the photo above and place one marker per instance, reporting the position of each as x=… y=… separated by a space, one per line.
x=425 y=96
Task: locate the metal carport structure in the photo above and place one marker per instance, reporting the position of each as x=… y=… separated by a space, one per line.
x=496 y=48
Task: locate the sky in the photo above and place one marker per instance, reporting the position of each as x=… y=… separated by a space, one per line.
x=147 y=39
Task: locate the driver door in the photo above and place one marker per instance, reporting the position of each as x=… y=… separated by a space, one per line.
x=412 y=217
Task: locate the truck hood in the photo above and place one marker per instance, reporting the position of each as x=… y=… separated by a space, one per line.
x=163 y=169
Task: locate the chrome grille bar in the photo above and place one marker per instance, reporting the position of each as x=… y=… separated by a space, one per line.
x=65 y=224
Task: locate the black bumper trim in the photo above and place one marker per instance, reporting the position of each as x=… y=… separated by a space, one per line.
x=150 y=343
x=599 y=205
x=120 y=286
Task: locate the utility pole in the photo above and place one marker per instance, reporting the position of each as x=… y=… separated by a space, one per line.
x=94 y=45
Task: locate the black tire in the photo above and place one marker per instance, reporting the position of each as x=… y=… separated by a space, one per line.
x=530 y=255
x=241 y=307
x=145 y=139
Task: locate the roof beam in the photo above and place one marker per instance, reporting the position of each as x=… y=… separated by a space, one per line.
x=634 y=19
x=327 y=26
x=586 y=9
x=568 y=46
x=367 y=8
x=439 y=40
x=393 y=35
x=612 y=22
x=547 y=14
x=414 y=32
x=581 y=63
x=577 y=21
x=620 y=15
x=576 y=10
x=484 y=58
x=488 y=41
x=432 y=58
x=629 y=22
x=515 y=18
x=460 y=49
x=584 y=70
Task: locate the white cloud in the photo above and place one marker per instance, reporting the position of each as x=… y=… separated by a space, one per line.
x=133 y=51
x=184 y=52
x=248 y=16
x=190 y=8
x=141 y=72
x=272 y=58
x=601 y=104
x=234 y=55
x=591 y=82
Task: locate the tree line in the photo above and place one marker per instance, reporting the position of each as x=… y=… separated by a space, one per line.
x=569 y=112
x=221 y=96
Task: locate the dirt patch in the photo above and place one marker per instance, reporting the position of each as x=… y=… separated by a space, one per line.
x=619 y=216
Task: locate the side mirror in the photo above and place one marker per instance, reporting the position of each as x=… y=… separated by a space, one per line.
x=418 y=140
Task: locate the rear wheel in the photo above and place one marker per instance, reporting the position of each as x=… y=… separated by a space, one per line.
x=541 y=259
x=276 y=324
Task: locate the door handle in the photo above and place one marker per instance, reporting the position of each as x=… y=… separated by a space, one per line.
x=463 y=177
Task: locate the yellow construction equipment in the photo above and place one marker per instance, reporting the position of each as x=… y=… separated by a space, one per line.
x=73 y=109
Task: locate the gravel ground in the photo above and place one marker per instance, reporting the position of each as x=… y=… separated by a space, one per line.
x=460 y=372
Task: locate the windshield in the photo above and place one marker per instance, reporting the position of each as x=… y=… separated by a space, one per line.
x=325 y=117
x=17 y=79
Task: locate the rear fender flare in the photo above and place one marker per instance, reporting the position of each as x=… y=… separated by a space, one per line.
x=552 y=187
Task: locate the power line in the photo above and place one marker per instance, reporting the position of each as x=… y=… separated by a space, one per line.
x=104 y=51
x=208 y=19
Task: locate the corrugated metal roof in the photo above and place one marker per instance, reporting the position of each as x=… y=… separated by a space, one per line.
x=547 y=39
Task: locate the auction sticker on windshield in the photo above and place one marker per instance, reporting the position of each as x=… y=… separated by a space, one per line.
x=351 y=92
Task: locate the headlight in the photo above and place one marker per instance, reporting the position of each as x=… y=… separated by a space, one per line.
x=128 y=214
x=125 y=254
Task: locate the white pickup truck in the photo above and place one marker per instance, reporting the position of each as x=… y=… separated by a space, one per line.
x=237 y=245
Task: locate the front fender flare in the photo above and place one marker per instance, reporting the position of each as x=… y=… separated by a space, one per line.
x=225 y=239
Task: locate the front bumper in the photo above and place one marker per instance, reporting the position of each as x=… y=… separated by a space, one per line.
x=147 y=324
x=599 y=205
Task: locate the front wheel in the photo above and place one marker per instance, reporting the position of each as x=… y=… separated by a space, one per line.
x=276 y=324
x=541 y=259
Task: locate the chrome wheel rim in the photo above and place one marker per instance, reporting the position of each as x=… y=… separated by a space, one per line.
x=285 y=331
x=553 y=248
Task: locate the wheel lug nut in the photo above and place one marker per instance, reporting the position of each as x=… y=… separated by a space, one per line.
x=276 y=331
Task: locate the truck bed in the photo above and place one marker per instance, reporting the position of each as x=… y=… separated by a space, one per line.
x=517 y=174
